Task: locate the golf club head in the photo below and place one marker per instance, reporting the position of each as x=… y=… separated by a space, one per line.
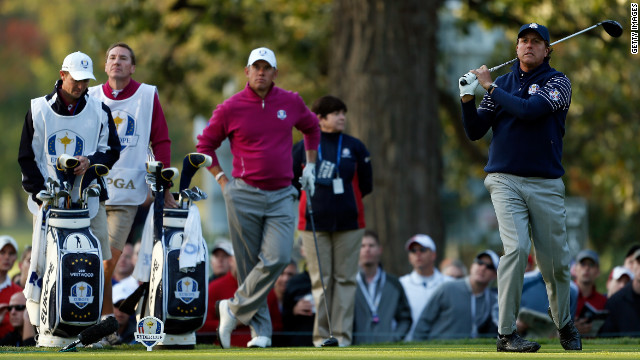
x=203 y=195
x=154 y=166
x=44 y=196
x=612 y=27
x=330 y=342
x=150 y=179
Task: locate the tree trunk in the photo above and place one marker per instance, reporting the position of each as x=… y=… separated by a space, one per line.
x=383 y=65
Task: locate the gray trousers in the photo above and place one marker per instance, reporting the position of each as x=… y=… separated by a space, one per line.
x=261 y=226
x=530 y=210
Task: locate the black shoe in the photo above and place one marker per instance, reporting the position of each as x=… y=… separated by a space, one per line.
x=570 y=337
x=514 y=343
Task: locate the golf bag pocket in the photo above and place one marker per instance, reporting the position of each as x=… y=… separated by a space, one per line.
x=179 y=299
x=71 y=297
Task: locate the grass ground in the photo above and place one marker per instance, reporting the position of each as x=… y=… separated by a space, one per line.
x=471 y=349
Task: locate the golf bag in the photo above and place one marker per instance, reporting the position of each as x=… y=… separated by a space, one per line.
x=71 y=298
x=177 y=298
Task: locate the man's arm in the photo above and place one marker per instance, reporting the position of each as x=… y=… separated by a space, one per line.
x=32 y=179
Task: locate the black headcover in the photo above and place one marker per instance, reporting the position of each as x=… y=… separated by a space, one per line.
x=94 y=333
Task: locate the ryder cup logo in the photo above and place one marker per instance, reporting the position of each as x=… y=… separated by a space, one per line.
x=187 y=290
x=150 y=332
x=533 y=25
x=282 y=114
x=533 y=89
x=64 y=142
x=84 y=63
x=81 y=294
x=554 y=94
x=126 y=125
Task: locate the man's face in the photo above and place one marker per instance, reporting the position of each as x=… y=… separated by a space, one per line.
x=334 y=122
x=614 y=286
x=531 y=50
x=8 y=256
x=125 y=264
x=586 y=272
x=16 y=317
x=72 y=88
x=119 y=63
x=220 y=262
x=420 y=257
x=281 y=283
x=260 y=76
x=483 y=270
x=636 y=270
x=370 y=252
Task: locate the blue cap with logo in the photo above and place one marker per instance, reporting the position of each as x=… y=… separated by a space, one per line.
x=540 y=29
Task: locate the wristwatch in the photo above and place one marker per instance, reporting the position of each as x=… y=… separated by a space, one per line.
x=491 y=87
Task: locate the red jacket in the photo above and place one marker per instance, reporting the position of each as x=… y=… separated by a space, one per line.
x=5 y=296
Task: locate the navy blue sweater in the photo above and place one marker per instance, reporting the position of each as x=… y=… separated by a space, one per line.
x=526 y=114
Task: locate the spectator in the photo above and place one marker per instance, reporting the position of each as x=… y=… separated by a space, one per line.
x=618 y=278
x=127 y=323
x=344 y=177
x=628 y=258
x=279 y=290
x=378 y=318
x=298 y=309
x=463 y=308
x=25 y=262
x=587 y=271
x=17 y=318
x=125 y=265
x=8 y=255
x=624 y=307
x=454 y=268
x=221 y=255
x=420 y=284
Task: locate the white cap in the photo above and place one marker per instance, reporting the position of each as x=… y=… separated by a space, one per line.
x=224 y=245
x=495 y=259
x=8 y=240
x=619 y=271
x=79 y=65
x=262 y=53
x=123 y=289
x=424 y=240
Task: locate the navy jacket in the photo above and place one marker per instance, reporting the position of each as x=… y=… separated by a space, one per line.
x=336 y=212
x=526 y=114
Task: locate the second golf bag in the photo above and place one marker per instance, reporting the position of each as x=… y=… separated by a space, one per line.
x=176 y=270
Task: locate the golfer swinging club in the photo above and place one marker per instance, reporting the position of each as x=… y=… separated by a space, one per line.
x=526 y=111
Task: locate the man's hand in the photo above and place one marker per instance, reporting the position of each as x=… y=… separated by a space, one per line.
x=484 y=76
x=308 y=178
x=471 y=84
x=169 y=201
x=82 y=166
x=583 y=326
x=303 y=307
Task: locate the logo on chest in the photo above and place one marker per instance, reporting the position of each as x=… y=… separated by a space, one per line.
x=533 y=89
x=281 y=114
x=64 y=142
x=126 y=126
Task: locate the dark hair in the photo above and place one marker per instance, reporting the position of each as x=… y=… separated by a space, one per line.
x=326 y=105
x=372 y=234
x=632 y=250
x=124 y=45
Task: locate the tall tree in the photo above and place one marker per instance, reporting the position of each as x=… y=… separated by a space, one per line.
x=383 y=64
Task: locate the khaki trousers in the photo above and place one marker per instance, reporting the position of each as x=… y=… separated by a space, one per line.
x=339 y=254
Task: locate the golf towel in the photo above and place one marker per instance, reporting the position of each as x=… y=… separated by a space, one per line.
x=193 y=250
x=142 y=271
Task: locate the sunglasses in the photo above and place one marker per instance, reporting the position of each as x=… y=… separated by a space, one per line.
x=488 y=265
x=16 y=307
x=418 y=249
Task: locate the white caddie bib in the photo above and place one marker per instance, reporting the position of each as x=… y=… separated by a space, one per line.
x=132 y=117
x=54 y=135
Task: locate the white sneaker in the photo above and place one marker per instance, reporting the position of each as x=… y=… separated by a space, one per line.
x=259 y=342
x=228 y=322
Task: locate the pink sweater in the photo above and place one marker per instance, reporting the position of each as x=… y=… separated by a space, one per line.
x=260 y=135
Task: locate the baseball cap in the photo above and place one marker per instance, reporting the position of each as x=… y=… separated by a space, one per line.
x=588 y=254
x=224 y=245
x=540 y=29
x=79 y=65
x=619 y=271
x=123 y=289
x=8 y=240
x=424 y=240
x=262 y=53
x=495 y=259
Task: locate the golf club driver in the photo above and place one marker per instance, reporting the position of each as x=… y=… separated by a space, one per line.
x=155 y=168
x=611 y=27
x=331 y=341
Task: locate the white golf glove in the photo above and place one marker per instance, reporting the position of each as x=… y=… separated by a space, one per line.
x=308 y=178
x=472 y=84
